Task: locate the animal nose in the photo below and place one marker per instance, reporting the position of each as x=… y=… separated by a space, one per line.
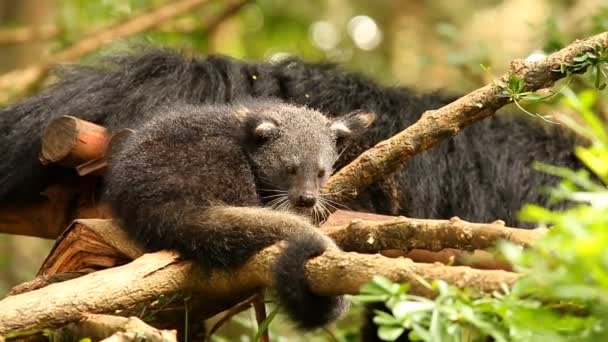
x=307 y=200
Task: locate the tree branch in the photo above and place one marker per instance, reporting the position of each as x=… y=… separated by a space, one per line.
x=24 y=79
x=436 y=125
x=113 y=328
x=335 y=272
x=27 y=34
x=367 y=236
x=22 y=35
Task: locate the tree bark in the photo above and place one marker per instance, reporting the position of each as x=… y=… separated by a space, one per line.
x=437 y=125
x=112 y=328
x=164 y=273
x=70 y=141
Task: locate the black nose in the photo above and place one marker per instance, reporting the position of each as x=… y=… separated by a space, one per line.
x=307 y=200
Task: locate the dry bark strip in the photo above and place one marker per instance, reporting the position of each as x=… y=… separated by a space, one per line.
x=437 y=125
x=161 y=273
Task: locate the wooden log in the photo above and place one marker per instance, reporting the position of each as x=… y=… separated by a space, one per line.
x=48 y=215
x=97 y=167
x=72 y=141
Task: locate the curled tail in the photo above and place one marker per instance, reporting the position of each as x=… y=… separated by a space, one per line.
x=292 y=286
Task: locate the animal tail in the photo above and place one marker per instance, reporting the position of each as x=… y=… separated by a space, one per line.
x=292 y=286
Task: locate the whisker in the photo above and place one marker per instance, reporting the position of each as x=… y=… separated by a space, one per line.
x=276 y=198
x=317 y=213
x=329 y=201
x=271 y=196
x=325 y=202
x=332 y=193
x=273 y=190
x=320 y=205
x=285 y=205
x=276 y=202
x=340 y=154
x=325 y=212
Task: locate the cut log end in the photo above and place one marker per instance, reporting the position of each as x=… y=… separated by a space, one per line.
x=71 y=141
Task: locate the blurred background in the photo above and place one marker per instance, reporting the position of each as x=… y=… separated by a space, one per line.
x=455 y=45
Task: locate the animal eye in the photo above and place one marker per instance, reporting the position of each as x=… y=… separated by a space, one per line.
x=291 y=170
x=321 y=173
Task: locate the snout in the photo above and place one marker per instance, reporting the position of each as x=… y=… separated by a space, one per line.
x=307 y=200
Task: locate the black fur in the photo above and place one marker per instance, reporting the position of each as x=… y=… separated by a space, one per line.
x=293 y=289
x=482 y=174
x=186 y=180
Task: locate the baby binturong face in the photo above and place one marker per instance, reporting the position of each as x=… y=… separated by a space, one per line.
x=294 y=163
x=295 y=155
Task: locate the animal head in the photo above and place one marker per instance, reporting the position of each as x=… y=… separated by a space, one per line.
x=293 y=149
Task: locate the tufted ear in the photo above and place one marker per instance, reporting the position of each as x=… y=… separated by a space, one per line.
x=352 y=124
x=265 y=130
x=259 y=130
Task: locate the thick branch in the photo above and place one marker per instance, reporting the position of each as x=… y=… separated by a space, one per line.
x=434 y=126
x=152 y=275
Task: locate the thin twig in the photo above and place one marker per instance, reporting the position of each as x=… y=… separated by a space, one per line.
x=242 y=306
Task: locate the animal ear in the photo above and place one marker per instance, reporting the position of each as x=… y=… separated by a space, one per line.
x=259 y=129
x=265 y=130
x=352 y=124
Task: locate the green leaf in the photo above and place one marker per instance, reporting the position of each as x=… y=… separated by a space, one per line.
x=435 y=326
x=369 y=298
x=403 y=309
x=535 y=213
x=596 y=159
x=265 y=324
x=384 y=318
x=390 y=333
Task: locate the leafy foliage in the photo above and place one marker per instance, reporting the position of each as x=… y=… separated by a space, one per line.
x=563 y=295
x=597 y=60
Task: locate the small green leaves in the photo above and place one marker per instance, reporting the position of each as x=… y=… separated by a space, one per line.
x=452 y=316
x=380 y=289
x=596 y=60
x=514 y=88
x=390 y=332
